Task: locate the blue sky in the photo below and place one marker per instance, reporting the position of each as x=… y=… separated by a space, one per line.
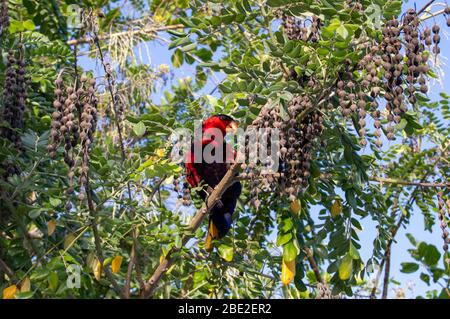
x=160 y=55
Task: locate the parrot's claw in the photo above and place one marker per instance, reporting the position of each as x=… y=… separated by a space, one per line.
x=218 y=204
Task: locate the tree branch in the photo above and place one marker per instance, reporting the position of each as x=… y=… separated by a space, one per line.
x=97 y=240
x=387 y=272
x=144 y=31
x=402 y=182
x=385 y=257
x=312 y=263
x=429 y=3
x=6 y=269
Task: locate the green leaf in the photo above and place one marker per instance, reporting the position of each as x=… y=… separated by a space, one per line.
x=39 y=274
x=432 y=255
x=139 y=129
x=24 y=295
x=178 y=42
x=189 y=47
x=346 y=267
x=342 y=32
x=226 y=252
x=353 y=252
x=177 y=58
x=286 y=225
x=53 y=280
x=55 y=202
x=29 y=25
x=283 y=239
x=425 y=278
x=34 y=213
x=411 y=239
x=178 y=242
x=15 y=26
x=275 y=3
x=409 y=268
x=290 y=251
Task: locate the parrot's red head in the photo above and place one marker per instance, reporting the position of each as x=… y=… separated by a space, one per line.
x=222 y=122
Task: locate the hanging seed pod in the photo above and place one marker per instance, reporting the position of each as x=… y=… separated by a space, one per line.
x=4 y=17
x=55 y=134
x=296 y=143
x=436 y=39
x=87 y=128
x=14 y=95
x=74 y=122
x=447 y=14
x=443 y=222
x=297 y=29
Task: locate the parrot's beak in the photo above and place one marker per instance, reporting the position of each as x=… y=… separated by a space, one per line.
x=232 y=127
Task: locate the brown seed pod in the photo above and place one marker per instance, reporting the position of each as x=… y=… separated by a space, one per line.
x=14 y=97
x=443 y=224
x=435 y=29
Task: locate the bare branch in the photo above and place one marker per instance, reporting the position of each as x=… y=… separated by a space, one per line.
x=144 y=31
x=382 y=180
x=312 y=263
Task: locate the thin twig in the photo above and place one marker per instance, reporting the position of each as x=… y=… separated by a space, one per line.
x=429 y=3
x=126 y=286
x=97 y=240
x=382 y=180
x=313 y=264
x=6 y=269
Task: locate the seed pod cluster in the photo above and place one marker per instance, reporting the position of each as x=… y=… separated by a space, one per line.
x=417 y=58
x=14 y=95
x=296 y=143
x=261 y=130
x=355 y=6
x=436 y=39
x=297 y=139
x=87 y=125
x=184 y=193
x=394 y=69
x=4 y=18
x=74 y=122
x=301 y=29
x=324 y=292
x=443 y=222
x=352 y=97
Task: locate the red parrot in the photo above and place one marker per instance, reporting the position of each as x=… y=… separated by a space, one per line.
x=200 y=167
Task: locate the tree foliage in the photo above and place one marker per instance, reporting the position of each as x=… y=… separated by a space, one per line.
x=104 y=196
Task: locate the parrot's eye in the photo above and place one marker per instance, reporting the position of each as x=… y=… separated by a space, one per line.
x=225 y=118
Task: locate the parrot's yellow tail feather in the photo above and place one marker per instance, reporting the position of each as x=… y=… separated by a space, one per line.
x=213 y=233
